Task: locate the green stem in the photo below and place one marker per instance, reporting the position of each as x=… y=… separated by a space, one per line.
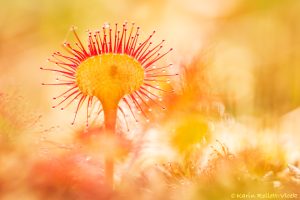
x=110 y=115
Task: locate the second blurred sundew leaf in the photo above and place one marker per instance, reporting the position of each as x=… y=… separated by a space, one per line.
x=190 y=131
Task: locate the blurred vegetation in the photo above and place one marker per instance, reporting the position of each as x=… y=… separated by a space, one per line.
x=260 y=47
x=239 y=68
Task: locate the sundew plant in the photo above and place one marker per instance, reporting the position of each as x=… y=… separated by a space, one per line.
x=114 y=66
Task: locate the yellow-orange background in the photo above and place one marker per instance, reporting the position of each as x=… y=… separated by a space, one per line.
x=249 y=50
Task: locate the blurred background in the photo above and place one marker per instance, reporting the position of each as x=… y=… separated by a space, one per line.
x=242 y=56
